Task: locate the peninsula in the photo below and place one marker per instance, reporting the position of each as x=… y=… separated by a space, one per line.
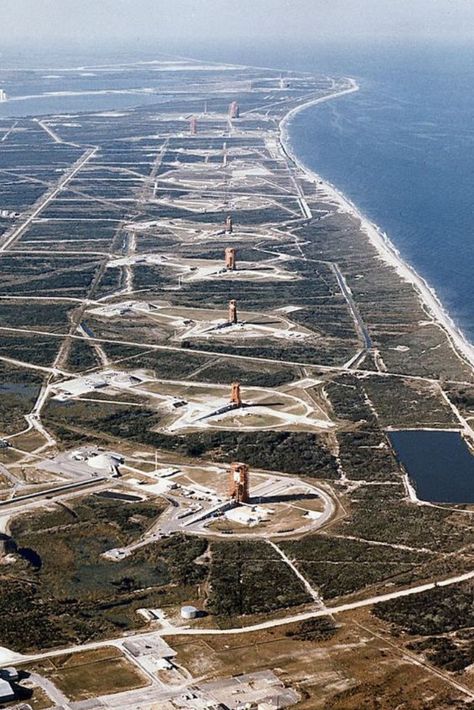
x=236 y=428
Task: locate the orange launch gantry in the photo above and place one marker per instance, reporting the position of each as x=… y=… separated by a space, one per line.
x=235 y=396
x=230 y=258
x=193 y=125
x=234 y=110
x=232 y=311
x=239 y=482
x=229 y=225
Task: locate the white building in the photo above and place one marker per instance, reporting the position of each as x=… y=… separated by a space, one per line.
x=6 y=691
x=108 y=462
x=189 y=612
x=249 y=515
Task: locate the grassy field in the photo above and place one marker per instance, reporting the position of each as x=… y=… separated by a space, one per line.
x=62 y=590
x=91 y=673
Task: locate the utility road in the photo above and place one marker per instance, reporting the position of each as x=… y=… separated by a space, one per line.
x=11 y=236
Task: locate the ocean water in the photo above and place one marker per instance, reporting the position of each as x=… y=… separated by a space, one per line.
x=402 y=149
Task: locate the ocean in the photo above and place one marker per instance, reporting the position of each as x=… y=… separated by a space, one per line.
x=401 y=148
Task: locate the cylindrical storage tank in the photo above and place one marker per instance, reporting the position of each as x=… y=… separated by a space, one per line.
x=189 y=612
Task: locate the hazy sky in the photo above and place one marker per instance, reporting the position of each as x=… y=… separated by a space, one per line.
x=288 y=20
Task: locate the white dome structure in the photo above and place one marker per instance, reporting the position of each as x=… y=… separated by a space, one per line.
x=108 y=462
x=123 y=379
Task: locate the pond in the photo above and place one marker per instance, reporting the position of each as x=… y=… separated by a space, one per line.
x=439 y=464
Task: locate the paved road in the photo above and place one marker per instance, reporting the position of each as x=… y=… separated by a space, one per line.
x=7 y=656
x=231 y=356
x=312 y=592
x=44 y=201
x=51 y=690
x=49 y=131
x=328 y=610
x=51 y=493
x=347 y=293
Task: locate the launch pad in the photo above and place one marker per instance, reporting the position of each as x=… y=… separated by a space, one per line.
x=223 y=500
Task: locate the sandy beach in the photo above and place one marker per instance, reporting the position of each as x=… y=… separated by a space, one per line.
x=385 y=248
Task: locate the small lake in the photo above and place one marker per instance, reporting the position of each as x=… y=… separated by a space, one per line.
x=439 y=464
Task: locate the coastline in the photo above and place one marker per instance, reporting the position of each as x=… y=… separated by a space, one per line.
x=386 y=250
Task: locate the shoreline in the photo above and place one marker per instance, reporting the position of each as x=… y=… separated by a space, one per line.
x=385 y=248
